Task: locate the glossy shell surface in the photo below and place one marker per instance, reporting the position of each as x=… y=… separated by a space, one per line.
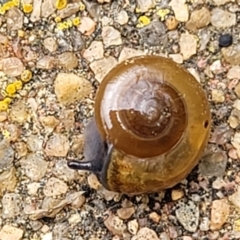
x=157 y=118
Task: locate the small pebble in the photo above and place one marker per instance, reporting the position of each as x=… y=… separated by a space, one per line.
x=219 y=213
x=218 y=96
x=225 y=40
x=188 y=215
x=146 y=234
x=125 y=213
x=133 y=227
x=11 y=233
x=155 y=217
x=176 y=194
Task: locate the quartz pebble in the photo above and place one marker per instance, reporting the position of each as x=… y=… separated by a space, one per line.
x=145 y=5
x=77 y=199
x=232 y=54
x=10 y=203
x=50 y=44
x=57 y=145
x=6 y=154
x=36 y=13
x=219 y=213
x=63 y=172
x=87 y=26
x=171 y=23
x=204 y=224
x=145 y=234
x=176 y=194
x=49 y=122
x=153 y=34
x=46 y=62
x=8 y=180
x=102 y=66
x=155 y=217
x=221 y=2
x=14 y=18
x=109 y=195
x=199 y=19
x=218 y=96
x=12 y=66
x=70 y=88
x=115 y=225
x=34 y=143
x=128 y=53
x=69 y=10
x=178 y=58
x=125 y=213
x=237 y=90
x=222 y=19
x=214 y=163
x=34 y=166
x=188 y=45
x=11 y=233
x=94 y=52
x=133 y=227
x=33 y=188
x=48 y=8
x=180 y=10
x=54 y=187
x=68 y=60
x=188 y=215
x=111 y=36
x=122 y=17
x=235 y=198
x=234 y=72
x=93 y=181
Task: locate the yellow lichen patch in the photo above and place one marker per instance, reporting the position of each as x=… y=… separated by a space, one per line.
x=5 y=133
x=60 y=4
x=7 y=100
x=76 y=21
x=16 y=2
x=69 y=23
x=138 y=10
x=60 y=26
x=21 y=33
x=143 y=21
x=18 y=84
x=65 y=25
x=81 y=7
x=57 y=19
x=2 y=10
x=27 y=8
x=236 y=226
x=26 y=75
x=8 y=5
x=11 y=89
x=162 y=13
x=3 y=106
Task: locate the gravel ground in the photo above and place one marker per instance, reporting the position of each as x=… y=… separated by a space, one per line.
x=53 y=55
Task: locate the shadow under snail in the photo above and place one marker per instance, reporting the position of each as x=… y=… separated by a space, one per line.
x=151 y=125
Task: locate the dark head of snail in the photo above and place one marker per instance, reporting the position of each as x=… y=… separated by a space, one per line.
x=151 y=124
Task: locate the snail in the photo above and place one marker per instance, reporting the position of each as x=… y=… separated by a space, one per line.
x=150 y=127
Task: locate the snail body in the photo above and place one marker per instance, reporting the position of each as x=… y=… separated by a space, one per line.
x=151 y=125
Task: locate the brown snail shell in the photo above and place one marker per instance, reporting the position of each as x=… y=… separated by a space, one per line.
x=151 y=125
